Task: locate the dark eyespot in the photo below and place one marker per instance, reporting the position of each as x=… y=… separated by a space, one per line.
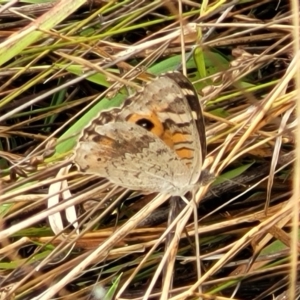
x=145 y=123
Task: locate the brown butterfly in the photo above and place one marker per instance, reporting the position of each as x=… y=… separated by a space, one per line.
x=154 y=142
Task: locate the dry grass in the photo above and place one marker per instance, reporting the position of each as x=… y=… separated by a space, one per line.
x=61 y=63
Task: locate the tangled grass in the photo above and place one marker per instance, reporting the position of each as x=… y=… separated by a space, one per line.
x=68 y=235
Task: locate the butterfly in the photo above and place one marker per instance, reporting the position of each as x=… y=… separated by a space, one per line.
x=154 y=142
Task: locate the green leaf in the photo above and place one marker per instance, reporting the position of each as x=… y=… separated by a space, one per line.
x=232 y=174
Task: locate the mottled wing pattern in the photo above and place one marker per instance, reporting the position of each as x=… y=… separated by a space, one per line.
x=130 y=157
x=149 y=143
x=194 y=104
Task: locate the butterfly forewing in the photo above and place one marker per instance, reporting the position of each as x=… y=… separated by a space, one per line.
x=195 y=105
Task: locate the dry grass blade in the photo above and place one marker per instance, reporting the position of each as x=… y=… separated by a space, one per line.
x=68 y=235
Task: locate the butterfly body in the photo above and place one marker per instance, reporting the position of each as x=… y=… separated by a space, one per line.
x=151 y=142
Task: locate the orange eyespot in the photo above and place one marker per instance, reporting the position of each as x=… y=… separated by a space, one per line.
x=145 y=123
x=150 y=122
